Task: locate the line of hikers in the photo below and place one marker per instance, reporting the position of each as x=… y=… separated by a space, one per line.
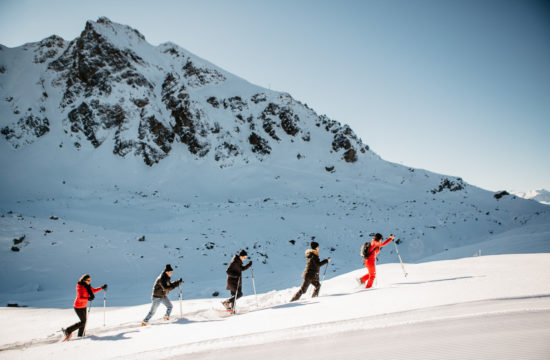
x=163 y=285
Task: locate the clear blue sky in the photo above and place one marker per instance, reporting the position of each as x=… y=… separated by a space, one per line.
x=456 y=87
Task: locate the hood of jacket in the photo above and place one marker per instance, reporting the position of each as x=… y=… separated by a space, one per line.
x=311 y=252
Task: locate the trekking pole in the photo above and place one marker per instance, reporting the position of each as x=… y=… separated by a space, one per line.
x=323 y=279
x=104 y=304
x=325 y=273
x=87 y=316
x=400 y=261
x=254 y=286
x=236 y=295
x=179 y=296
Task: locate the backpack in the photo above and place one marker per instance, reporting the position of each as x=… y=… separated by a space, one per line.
x=365 y=250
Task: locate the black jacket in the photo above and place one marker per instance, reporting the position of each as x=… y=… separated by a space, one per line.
x=163 y=285
x=313 y=264
x=234 y=272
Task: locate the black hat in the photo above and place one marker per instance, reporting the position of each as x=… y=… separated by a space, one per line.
x=314 y=245
x=378 y=237
x=168 y=268
x=243 y=253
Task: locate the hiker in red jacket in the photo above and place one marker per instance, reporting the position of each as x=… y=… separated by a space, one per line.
x=370 y=258
x=84 y=293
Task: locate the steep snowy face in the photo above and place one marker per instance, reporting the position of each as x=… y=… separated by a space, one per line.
x=109 y=87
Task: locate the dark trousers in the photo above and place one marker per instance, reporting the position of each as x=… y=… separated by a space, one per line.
x=308 y=281
x=79 y=325
x=234 y=296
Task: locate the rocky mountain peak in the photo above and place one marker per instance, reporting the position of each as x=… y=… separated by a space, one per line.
x=109 y=83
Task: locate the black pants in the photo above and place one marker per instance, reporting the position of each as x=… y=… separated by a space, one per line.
x=308 y=281
x=79 y=325
x=234 y=296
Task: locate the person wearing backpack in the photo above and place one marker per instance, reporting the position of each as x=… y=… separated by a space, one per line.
x=369 y=252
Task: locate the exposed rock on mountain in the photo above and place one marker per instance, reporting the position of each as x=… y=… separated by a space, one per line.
x=110 y=84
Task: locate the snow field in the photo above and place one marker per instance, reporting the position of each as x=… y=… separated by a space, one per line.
x=438 y=293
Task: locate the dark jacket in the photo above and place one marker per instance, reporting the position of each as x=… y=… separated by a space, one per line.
x=234 y=272
x=313 y=265
x=163 y=285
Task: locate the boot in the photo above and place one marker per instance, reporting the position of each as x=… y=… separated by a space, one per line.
x=296 y=297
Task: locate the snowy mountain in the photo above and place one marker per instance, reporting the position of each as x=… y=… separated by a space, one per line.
x=111 y=88
x=120 y=157
x=542 y=195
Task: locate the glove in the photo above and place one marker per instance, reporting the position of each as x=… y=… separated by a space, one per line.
x=104 y=287
x=180 y=280
x=250 y=263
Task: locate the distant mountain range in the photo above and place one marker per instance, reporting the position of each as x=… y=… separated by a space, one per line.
x=541 y=195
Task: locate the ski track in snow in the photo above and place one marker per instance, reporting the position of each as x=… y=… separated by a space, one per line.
x=508 y=335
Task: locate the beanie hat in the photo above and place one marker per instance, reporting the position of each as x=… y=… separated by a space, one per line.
x=243 y=253
x=378 y=237
x=168 y=268
x=314 y=245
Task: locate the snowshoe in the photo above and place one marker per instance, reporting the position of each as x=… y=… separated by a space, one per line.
x=227 y=305
x=66 y=334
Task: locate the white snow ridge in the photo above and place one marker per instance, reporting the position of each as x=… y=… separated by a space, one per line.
x=119 y=157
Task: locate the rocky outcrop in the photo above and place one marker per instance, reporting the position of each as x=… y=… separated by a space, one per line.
x=188 y=126
x=27 y=126
x=91 y=66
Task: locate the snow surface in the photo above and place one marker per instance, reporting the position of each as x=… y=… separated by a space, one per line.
x=467 y=308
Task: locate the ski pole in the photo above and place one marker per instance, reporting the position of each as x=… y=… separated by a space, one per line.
x=87 y=316
x=254 y=286
x=326 y=267
x=400 y=261
x=180 y=290
x=323 y=279
x=236 y=295
x=104 y=304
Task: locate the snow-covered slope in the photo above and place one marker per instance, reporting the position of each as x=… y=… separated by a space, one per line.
x=119 y=157
x=476 y=307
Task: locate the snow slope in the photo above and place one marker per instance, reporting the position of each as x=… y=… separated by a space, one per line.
x=476 y=301
x=99 y=229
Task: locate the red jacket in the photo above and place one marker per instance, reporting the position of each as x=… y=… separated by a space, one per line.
x=82 y=296
x=375 y=249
